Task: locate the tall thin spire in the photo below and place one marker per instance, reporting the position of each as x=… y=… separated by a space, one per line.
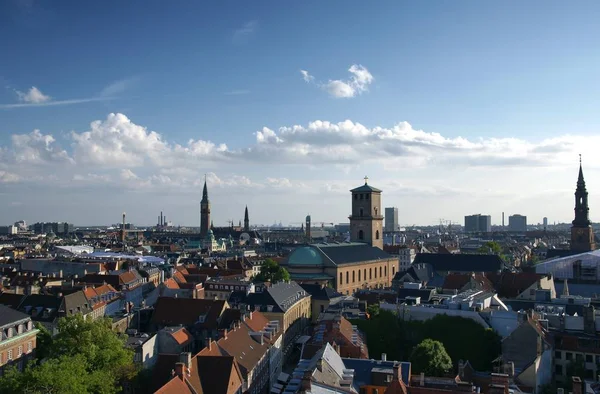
x=581 y=201
x=205 y=190
x=246 y=220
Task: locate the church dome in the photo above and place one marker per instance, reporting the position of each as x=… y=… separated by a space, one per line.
x=306 y=255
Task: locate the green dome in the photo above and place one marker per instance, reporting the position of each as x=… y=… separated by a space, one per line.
x=306 y=255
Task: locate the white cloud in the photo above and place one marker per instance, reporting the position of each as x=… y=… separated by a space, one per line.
x=241 y=34
x=33 y=96
x=298 y=162
x=357 y=84
x=119 y=86
x=306 y=76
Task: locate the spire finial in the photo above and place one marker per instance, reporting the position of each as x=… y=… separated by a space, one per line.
x=580 y=159
x=366 y=179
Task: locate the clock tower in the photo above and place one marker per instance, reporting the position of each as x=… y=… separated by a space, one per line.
x=582 y=235
x=366 y=221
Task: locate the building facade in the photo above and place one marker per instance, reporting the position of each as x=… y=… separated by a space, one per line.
x=366 y=220
x=391 y=219
x=17 y=338
x=517 y=223
x=478 y=223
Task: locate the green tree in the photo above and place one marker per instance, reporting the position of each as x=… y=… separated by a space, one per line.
x=272 y=272
x=84 y=357
x=430 y=357
x=492 y=247
x=43 y=342
x=66 y=375
x=373 y=310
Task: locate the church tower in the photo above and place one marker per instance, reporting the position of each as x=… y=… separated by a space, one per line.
x=582 y=235
x=366 y=221
x=246 y=220
x=204 y=212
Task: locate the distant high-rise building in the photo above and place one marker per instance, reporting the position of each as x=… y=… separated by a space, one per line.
x=391 y=219
x=55 y=227
x=517 y=223
x=545 y=221
x=478 y=223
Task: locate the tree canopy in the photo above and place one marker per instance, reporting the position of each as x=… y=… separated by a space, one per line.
x=272 y=272
x=430 y=358
x=84 y=357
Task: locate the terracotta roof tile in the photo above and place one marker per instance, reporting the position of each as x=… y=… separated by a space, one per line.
x=182 y=336
x=174 y=386
x=171 y=284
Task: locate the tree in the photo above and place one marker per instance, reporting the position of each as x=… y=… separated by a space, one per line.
x=373 y=310
x=84 y=357
x=492 y=247
x=272 y=272
x=43 y=342
x=430 y=357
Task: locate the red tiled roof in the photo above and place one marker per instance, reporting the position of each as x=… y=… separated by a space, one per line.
x=171 y=284
x=456 y=281
x=174 y=386
x=127 y=277
x=182 y=336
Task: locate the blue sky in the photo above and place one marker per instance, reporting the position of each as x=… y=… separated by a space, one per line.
x=505 y=95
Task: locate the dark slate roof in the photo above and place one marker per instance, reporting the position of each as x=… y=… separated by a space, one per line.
x=551 y=253
x=352 y=253
x=320 y=293
x=280 y=295
x=517 y=305
x=10 y=316
x=461 y=262
x=11 y=300
x=42 y=301
x=365 y=189
x=590 y=290
x=424 y=293
x=76 y=303
x=363 y=368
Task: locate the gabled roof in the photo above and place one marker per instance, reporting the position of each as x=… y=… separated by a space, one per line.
x=187 y=311
x=461 y=262
x=10 y=316
x=215 y=373
x=11 y=300
x=511 y=284
x=247 y=351
x=182 y=336
x=318 y=292
x=174 y=386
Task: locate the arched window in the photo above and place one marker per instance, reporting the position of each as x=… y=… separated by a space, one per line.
x=393 y=270
x=359 y=275
x=377 y=234
x=353 y=276
x=370 y=274
x=385 y=270
x=365 y=274
x=375 y=272
x=380 y=271
x=361 y=235
x=347 y=277
x=340 y=278
x=360 y=212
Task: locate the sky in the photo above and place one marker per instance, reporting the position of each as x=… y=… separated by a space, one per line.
x=450 y=107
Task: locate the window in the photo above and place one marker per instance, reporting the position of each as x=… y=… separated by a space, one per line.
x=366 y=196
x=9 y=355
x=341 y=278
x=356 y=196
x=360 y=213
x=579 y=358
x=365 y=274
x=370 y=274
x=377 y=234
x=589 y=358
x=359 y=275
x=569 y=356
x=380 y=271
x=361 y=196
x=393 y=270
x=20 y=351
x=558 y=354
x=558 y=369
x=361 y=235
x=353 y=276
x=385 y=270
x=347 y=277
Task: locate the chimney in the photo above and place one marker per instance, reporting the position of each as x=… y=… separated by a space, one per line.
x=223 y=333
x=577 y=385
x=422 y=379
x=179 y=371
x=397 y=372
x=305 y=385
x=383 y=356
x=209 y=343
x=186 y=358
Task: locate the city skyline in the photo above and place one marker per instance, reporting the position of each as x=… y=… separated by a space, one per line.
x=287 y=120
